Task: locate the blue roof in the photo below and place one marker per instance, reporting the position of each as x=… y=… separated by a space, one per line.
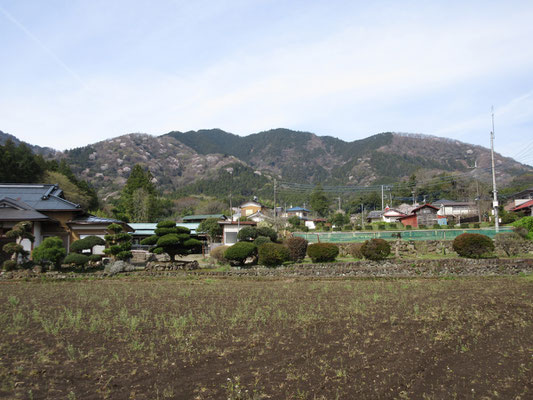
x=148 y=228
x=298 y=209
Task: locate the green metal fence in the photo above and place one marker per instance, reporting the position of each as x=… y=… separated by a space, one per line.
x=430 y=234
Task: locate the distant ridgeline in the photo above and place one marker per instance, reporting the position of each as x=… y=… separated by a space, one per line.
x=217 y=164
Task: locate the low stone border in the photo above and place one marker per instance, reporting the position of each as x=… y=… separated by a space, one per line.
x=364 y=269
x=389 y=268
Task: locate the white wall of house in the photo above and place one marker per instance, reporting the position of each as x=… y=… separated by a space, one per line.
x=310 y=224
x=230 y=233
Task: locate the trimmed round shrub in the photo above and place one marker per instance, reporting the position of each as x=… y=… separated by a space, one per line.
x=164 y=231
x=473 y=245
x=95 y=258
x=51 y=251
x=9 y=265
x=150 y=240
x=248 y=233
x=354 y=250
x=166 y=224
x=217 y=254
x=368 y=227
x=273 y=254
x=382 y=227
x=375 y=249
x=408 y=227
x=347 y=228
x=297 y=247
x=477 y=225
x=76 y=259
x=421 y=226
x=436 y=226
x=267 y=232
x=262 y=240
x=322 y=252
x=239 y=252
x=124 y=255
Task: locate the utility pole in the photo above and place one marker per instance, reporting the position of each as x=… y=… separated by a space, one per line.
x=230 y=170
x=362 y=214
x=494 y=190
x=413 y=192
x=339 y=198
x=275 y=209
x=382 y=205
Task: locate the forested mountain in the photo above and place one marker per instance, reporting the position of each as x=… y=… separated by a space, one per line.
x=216 y=163
x=4 y=137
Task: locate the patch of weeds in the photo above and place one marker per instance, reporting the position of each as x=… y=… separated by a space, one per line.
x=13 y=300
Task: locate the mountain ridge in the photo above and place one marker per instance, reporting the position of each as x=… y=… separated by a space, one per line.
x=198 y=160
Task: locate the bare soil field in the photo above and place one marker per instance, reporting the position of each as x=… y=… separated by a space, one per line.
x=183 y=338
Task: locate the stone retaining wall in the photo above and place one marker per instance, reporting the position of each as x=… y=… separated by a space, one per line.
x=414 y=248
x=389 y=268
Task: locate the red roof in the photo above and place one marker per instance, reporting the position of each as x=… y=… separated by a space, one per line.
x=527 y=204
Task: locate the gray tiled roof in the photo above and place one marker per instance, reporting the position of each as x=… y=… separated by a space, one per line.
x=43 y=197
x=13 y=210
x=375 y=214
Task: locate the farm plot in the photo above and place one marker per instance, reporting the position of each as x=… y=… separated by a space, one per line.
x=253 y=339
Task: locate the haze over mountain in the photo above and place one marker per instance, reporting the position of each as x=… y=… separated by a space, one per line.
x=203 y=159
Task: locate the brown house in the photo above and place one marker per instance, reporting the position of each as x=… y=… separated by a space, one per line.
x=425 y=214
x=49 y=212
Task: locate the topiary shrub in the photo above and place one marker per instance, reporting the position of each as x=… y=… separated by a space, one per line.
x=239 y=252
x=273 y=254
x=477 y=225
x=262 y=240
x=436 y=226
x=76 y=259
x=9 y=265
x=358 y=227
x=421 y=226
x=217 y=254
x=368 y=227
x=347 y=228
x=354 y=250
x=171 y=239
x=118 y=243
x=382 y=227
x=322 y=252
x=86 y=243
x=510 y=242
x=408 y=227
x=50 y=251
x=297 y=247
x=473 y=245
x=267 y=232
x=248 y=233
x=375 y=249
x=95 y=258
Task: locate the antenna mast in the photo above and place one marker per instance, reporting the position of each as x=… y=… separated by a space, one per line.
x=494 y=190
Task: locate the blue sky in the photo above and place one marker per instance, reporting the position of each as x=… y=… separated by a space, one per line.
x=76 y=72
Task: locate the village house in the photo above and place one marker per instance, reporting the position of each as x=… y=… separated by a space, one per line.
x=230 y=229
x=425 y=214
x=45 y=206
x=456 y=209
x=392 y=215
x=521 y=201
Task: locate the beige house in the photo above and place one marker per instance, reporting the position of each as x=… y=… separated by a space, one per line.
x=49 y=212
